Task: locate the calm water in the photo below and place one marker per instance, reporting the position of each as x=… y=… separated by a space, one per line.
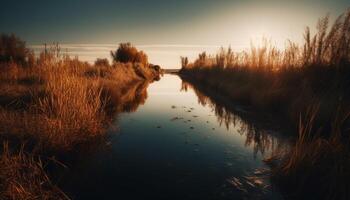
x=176 y=143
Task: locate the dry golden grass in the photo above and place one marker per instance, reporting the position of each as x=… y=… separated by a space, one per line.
x=62 y=102
x=65 y=107
x=316 y=167
x=287 y=83
x=23 y=177
x=57 y=105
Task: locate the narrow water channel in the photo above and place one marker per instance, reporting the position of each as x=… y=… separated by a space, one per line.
x=173 y=142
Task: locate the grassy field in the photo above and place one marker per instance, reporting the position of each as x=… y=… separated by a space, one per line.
x=53 y=105
x=309 y=86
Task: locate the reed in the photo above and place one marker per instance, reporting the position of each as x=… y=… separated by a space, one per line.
x=284 y=81
x=289 y=83
x=330 y=46
x=316 y=167
x=23 y=176
x=56 y=105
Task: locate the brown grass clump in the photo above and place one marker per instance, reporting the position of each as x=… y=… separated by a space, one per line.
x=72 y=108
x=62 y=109
x=316 y=167
x=23 y=177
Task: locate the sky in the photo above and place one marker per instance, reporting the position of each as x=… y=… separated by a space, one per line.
x=164 y=29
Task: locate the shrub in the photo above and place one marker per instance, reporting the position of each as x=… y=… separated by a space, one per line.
x=128 y=53
x=101 y=62
x=13 y=49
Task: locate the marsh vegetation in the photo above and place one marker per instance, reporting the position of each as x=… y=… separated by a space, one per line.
x=263 y=123
x=309 y=86
x=52 y=105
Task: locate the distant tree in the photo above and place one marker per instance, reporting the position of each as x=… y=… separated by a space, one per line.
x=101 y=62
x=127 y=53
x=13 y=49
x=184 y=62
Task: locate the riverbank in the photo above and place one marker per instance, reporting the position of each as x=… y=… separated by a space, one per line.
x=178 y=145
x=52 y=106
x=288 y=94
x=308 y=86
x=313 y=157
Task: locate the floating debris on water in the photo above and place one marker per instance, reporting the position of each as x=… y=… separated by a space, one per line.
x=258 y=182
x=237 y=184
x=173 y=107
x=195 y=116
x=159 y=127
x=176 y=118
x=257 y=185
x=261 y=171
x=191 y=127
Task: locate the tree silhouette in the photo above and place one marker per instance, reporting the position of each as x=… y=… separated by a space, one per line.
x=13 y=49
x=127 y=53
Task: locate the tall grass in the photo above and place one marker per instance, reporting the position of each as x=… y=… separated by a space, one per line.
x=316 y=167
x=23 y=177
x=289 y=83
x=63 y=101
x=285 y=81
x=329 y=46
x=63 y=107
x=56 y=105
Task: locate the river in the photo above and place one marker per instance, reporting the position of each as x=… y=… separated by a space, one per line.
x=174 y=142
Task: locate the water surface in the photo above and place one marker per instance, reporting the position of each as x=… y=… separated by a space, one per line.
x=176 y=143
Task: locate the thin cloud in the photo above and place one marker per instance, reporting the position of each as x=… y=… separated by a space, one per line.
x=166 y=55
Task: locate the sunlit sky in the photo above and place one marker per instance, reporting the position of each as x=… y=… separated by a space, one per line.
x=164 y=29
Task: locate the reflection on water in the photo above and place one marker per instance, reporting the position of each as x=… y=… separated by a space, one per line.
x=127 y=99
x=132 y=98
x=175 y=142
x=261 y=139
